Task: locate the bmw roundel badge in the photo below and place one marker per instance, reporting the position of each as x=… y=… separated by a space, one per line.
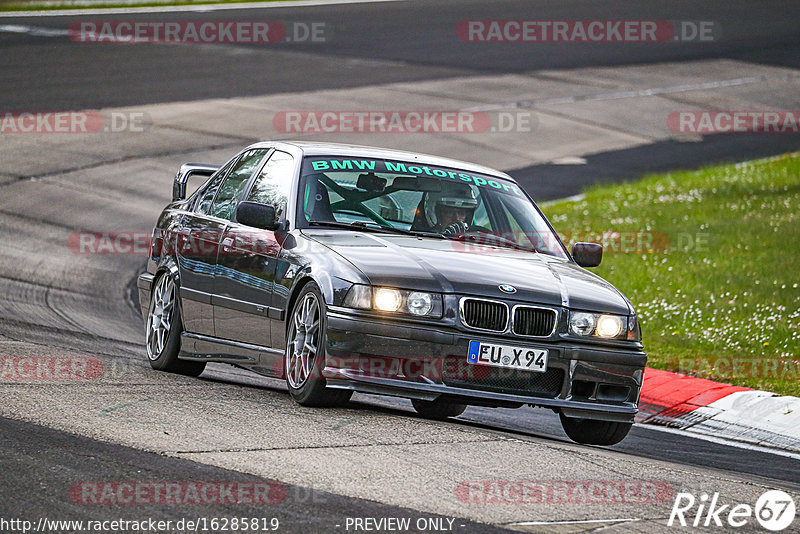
x=507 y=288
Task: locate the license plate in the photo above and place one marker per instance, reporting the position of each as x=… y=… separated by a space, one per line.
x=509 y=356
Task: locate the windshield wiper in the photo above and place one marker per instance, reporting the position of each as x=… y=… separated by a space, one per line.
x=375 y=227
x=357 y=225
x=419 y=233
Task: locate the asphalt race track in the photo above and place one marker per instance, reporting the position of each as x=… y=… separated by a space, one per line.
x=375 y=458
x=368 y=44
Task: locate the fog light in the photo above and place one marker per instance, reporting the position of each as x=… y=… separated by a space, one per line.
x=388 y=299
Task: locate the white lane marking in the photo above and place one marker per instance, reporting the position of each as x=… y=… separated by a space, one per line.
x=576 y=522
x=616 y=95
x=185 y=8
x=721 y=441
x=569 y=160
x=33 y=30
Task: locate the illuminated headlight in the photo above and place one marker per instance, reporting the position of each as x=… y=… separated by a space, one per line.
x=600 y=325
x=392 y=300
x=387 y=299
x=609 y=326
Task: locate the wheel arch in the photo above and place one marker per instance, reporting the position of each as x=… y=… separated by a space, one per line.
x=300 y=283
x=170 y=267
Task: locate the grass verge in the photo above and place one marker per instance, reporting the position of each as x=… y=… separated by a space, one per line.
x=710 y=259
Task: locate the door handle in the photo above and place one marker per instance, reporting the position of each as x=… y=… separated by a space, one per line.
x=226 y=244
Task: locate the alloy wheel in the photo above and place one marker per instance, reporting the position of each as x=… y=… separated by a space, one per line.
x=159 y=318
x=303 y=345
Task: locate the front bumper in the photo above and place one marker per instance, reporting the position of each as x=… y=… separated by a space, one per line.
x=426 y=362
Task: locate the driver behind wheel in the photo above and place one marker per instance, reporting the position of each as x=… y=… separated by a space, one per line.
x=450 y=211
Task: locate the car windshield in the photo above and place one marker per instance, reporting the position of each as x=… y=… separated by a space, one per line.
x=405 y=197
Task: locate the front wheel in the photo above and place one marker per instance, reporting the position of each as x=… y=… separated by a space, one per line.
x=163 y=329
x=305 y=352
x=594 y=432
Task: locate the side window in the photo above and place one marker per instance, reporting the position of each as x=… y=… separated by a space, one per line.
x=274 y=183
x=523 y=233
x=224 y=203
x=206 y=197
x=481 y=217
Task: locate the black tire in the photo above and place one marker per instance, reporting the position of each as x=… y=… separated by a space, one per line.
x=304 y=377
x=594 y=432
x=163 y=355
x=438 y=409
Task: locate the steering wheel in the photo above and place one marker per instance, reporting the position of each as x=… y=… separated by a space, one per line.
x=457 y=228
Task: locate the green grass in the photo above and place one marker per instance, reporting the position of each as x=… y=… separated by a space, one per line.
x=715 y=275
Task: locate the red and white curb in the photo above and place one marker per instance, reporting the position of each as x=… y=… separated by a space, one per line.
x=717 y=410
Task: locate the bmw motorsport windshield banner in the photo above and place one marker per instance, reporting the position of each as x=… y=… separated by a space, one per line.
x=314 y=165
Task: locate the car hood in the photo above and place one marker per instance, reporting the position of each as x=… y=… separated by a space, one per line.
x=447 y=266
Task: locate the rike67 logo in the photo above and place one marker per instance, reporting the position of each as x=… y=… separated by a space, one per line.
x=774 y=510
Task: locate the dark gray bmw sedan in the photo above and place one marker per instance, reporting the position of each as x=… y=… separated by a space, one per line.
x=344 y=268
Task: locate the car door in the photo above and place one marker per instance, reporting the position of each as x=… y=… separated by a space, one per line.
x=245 y=285
x=196 y=249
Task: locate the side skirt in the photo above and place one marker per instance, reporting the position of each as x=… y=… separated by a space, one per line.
x=262 y=360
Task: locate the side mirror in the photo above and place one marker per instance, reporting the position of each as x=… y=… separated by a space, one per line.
x=587 y=254
x=257 y=215
x=187 y=170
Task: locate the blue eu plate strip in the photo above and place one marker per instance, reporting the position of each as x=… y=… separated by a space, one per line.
x=474 y=348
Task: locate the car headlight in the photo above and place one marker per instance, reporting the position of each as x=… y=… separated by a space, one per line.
x=609 y=326
x=419 y=303
x=387 y=299
x=602 y=325
x=582 y=323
